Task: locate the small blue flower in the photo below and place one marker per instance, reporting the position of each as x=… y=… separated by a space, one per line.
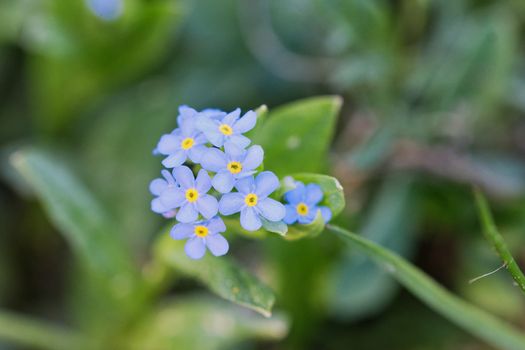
x=107 y=10
x=231 y=165
x=228 y=129
x=184 y=142
x=161 y=188
x=191 y=197
x=303 y=206
x=253 y=202
x=200 y=235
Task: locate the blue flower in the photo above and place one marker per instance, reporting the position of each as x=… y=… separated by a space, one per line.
x=108 y=10
x=303 y=206
x=184 y=142
x=161 y=188
x=253 y=202
x=231 y=165
x=191 y=197
x=202 y=234
x=228 y=129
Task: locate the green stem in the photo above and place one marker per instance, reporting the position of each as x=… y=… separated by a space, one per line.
x=465 y=315
x=497 y=241
x=39 y=334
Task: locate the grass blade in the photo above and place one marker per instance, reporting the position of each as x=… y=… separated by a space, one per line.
x=497 y=241
x=467 y=316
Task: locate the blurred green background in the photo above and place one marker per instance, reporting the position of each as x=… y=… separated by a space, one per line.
x=433 y=102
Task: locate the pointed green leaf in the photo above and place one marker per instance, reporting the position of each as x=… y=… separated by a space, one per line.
x=200 y=322
x=220 y=274
x=296 y=137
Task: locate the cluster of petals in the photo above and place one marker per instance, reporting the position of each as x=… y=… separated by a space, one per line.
x=213 y=141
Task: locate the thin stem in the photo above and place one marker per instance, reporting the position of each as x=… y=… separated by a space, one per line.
x=469 y=317
x=26 y=331
x=497 y=241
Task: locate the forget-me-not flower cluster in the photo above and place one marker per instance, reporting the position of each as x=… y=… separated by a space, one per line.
x=214 y=170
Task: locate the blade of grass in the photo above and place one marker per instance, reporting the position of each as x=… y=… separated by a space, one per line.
x=494 y=237
x=467 y=316
x=39 y=334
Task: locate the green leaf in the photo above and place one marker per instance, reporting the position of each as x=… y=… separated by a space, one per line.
x=296 y=137
x=497 y=241
x=200 y=322
x=334 y=197
x=84 y=224
x=359 y=287
x=220 y=274
x=22 y=330
x=472 y=319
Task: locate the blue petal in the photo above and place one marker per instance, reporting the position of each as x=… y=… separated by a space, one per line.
x=308 y=218
x=187 y=213
x=214 y=160
x=313 y=194
x=186 y=112
x=291 y=214
x=203 y=182
x=326 y=213
x=196 y=153
x=184 y=177
x=254 y=158
x=172 y=198
x=169 y=144
x=175 y=160
x=240 y=141
x=158 y=207
x=195 y=248
x=245 y=185
x=233 y=151
x=217 y=244
x=231 y=117
x=265 y=183
x=296 y=195
x=216 y=225
x=169 y=177
x=210 y=128
x=223 y=182
x=245 y=123
x=231 y=203
x=271 y=209
x=157 y=186
x=207 y=205
x=182 y=231
x=250 y=220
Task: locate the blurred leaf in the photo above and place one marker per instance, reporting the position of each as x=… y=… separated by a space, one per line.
x=72 y=42
x=83 y=223
x=469 y=317
x=359 y=288
x=38 y=334
x=497 y=241
x=203 y=323
x=220 y=274
x=296 y=137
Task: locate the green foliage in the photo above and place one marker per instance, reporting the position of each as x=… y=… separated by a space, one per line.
x=302 y=130
x=199 y=322
x=220 y=275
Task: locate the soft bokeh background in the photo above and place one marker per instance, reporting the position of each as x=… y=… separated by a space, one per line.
x=434 y=101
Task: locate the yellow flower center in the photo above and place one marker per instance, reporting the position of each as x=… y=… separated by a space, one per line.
x=226 y=129
x=251 y=199
x=200 y=231
x=192 y=195
x=302 y=209
x=234 y=167
x=187 y=143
